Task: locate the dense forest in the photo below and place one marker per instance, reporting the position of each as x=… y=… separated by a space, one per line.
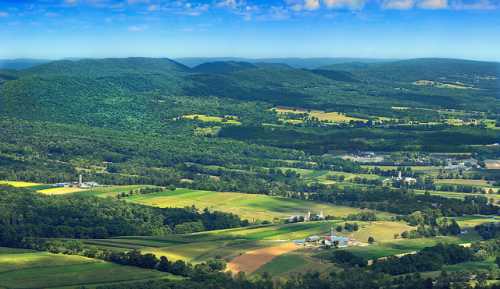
x=25 y=214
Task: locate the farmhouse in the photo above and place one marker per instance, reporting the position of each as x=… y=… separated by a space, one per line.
x=306 y=218
x=79 y=184
x=328 y=241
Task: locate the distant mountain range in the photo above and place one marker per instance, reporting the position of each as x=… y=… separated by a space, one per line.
x=94 y=90
x=21 y=63
x=309 y=63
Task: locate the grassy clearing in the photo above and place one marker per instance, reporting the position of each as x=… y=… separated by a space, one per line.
x=60 y=191
x=207 y=118
x=401 y=246
x=19 y=184
x=248 y=206
x=471 y=221
x=478 y=183
x=323 y=176
x=112 y=191
x=46 y=270
x=320 y=115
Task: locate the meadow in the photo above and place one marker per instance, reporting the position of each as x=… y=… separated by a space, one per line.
x=21 y=269
x=333 y=116
x=248 y=206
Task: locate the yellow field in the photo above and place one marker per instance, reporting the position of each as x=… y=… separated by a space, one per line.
x=208 y=118
x=320 y=115
x=60 y=191
x=19 y=184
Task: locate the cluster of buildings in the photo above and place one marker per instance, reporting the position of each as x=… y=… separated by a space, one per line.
x=327 y=241
x=400 y=179
x=461 y=165
x=306 y=218
x=79 y=184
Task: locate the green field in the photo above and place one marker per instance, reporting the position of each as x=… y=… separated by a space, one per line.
x=458 y=195
x=471 y=221
x=230 y=243
x=248 y=206
x=401 y=246
x=478 y=183
x=299 y=261
x=45 y=270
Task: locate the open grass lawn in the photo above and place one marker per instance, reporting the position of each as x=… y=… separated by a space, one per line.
x=46 y=270
x=19 y=184
x=248 y=206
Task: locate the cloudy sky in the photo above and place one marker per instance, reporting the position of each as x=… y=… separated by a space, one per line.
x=250 y=28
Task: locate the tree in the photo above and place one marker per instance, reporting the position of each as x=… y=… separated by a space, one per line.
x=163 y=265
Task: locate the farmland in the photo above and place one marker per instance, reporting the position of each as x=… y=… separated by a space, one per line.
x=251 y=207
x=238 y=245
x=60 y=191
x=222 y=162
x=334 y=117
x=19 y=184
x=45 y=270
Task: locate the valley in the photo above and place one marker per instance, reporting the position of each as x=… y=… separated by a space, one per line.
x=130 y=172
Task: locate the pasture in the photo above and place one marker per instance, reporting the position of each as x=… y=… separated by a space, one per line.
x=46 y=270
x=248 y=206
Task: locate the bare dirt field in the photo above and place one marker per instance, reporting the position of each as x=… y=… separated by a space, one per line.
x=253 y=260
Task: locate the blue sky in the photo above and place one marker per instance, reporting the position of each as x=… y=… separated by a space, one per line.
x=250 y=28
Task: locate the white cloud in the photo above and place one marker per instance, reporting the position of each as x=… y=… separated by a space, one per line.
x=227 y=3
x=3 y=14
x=433 y=4
x=311 y=4
x=398 y=4
x=351 y=4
